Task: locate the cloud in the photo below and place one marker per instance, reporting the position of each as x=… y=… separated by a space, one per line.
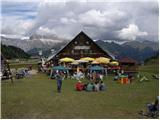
x=17 y=18
x=44 y=30
x=100 y=20
x=15 y=25
x=93 y=17
x=76 y=16
x=23 y=10
x=131 y=32
x=20 y=1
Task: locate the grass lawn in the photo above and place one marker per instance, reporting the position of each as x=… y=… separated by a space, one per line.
x=36 y=97
x=22 y=65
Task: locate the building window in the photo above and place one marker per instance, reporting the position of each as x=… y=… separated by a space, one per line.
x=72 y=51
x=87 y=43
x=87 y=51
x=81 y=51
x=75 y=43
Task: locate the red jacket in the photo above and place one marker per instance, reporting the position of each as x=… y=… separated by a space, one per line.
x=79 y=86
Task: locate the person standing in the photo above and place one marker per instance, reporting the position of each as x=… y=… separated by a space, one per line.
x=59 y=78
x=94 y=75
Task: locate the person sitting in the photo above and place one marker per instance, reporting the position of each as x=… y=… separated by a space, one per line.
x=96 y=86
x=102 y=86
x=144 y=78
x=155 y=76
x=152 y=107
x=101 y=77
x=85 y=86
x=90 y=87
x=116 y=77
x=74 y=75
x=79 y=86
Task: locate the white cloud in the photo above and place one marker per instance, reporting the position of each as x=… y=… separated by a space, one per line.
x=44 y=30
x=64 y=20
x=98 y=19
x=92 y=17
x=131 y=32
x=15 y=25
x=80 y=0
x=31 y=1
x=14 y=36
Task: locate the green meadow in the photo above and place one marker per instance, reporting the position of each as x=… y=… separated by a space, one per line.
x=36 y=97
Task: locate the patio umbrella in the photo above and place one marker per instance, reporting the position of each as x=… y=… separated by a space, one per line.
x=81 y=61
x=114 y=63
x=75 y=63
x=60 y=68
x=98 y=68
x=87 y=59
x=95 y=62
x=103 y=60
x=66 y=59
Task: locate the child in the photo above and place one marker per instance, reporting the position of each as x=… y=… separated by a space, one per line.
x=96 y=86
x=102 y=86
x=79 y=86
x=90 y=87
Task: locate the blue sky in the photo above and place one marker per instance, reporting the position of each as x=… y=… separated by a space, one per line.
x=26 y=11
x=103 y=20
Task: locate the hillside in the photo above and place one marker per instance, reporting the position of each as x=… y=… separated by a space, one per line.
x=139 y=49
x=46 y=52
x=139 y=53
x=13 y=52
x=35 y=41
x=151 y=65
x=142 y=45
x=152 y=60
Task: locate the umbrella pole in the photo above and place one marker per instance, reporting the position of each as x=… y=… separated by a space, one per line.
x=64 y=64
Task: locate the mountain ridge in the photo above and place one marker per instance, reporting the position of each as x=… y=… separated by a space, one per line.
x=10 y=52
x=139 y=49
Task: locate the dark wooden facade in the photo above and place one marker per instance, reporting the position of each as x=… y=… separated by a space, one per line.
x=129 y=65
x=81 y=46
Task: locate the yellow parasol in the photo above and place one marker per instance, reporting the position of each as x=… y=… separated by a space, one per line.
x=87 y=59
x=75 y=63
x=66 y=59
x=81 y=61
x=103 y=60
x=114 y=63
x=95 y=62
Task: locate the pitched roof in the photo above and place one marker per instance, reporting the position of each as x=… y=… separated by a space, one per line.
x=81 y=33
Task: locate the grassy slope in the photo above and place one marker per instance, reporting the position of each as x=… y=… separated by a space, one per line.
x=23 y=63
x=36 y=97
x=16 y=65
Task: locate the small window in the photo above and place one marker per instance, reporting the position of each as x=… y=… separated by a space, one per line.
x=87 y=43
x=87 y=51
x=72 y=51
x=75 y=42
